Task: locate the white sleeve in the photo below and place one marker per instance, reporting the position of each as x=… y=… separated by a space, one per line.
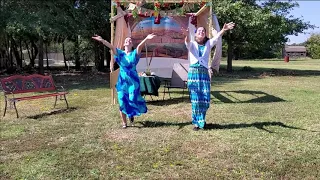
x=213 y=41
x=188 y=44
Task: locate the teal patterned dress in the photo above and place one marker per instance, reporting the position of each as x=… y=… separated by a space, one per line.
x=128 y=85
x=199 y=87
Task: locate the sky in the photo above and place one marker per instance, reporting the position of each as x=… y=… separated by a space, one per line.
x=308 y=11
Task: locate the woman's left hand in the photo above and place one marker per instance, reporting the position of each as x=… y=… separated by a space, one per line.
x=228 y=26
x=150 y=36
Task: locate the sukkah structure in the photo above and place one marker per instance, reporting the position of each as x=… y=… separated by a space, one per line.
x=165 y=18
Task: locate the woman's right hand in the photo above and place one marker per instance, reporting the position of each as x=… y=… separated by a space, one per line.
x=106 y=43
x=185 y=31
x=97 y=38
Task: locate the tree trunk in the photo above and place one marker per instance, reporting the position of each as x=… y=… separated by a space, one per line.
x=9 y=51
x=10 y=54
x=14 y=48
x=64 y=57
x=100 y=59
x=236 y=53
x=6 y=53
x=46 y=44
x=34 y=53
x=28 y=50
x=1 y=59
x=21 y=53
x=40 y=61
x=230 y=56
x=96 y=55
x=76 y=53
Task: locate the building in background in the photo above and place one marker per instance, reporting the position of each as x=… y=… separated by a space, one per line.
x=295 y=51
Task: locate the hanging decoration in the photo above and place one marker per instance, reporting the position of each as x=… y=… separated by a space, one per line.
x=159 y=9
x=194 y=20
x=203 y=4
x=157 y=19
x=156 y=13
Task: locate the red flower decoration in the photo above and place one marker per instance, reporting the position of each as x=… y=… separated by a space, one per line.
x=157 y=19
x=194 y=20
x=157 y=4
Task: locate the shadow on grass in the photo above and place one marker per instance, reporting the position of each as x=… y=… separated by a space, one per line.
x=210 y=126
x=258 y=125
x=155 y=124
x=247 y=72
x=221 y=96
x=173 y=100
x=60 y=111
x=254 y=97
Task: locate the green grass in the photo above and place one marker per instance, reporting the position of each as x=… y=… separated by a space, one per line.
x=263 y=123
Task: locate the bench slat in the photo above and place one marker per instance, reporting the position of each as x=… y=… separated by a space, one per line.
x=37 y=96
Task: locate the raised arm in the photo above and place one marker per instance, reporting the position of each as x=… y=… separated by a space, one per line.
x=140 y=46
x=186 y=33
x=106 y=43
x=225 y=28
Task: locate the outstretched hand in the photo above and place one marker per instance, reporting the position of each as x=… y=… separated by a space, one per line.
x=185 y=31
x=150 y=36
x=97 y=38
x=228 y=26
x=106 y=43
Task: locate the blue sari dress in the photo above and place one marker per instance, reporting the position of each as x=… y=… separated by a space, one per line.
x=128 y=86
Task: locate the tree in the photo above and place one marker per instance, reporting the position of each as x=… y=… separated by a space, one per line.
x=258 y=27
x=313 y=46
x=96 y=22
x=27 y=21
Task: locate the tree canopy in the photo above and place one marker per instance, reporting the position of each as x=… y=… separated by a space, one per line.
x=313 y=46
x=261 y=28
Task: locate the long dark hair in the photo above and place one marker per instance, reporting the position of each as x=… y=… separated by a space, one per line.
x=205 y=39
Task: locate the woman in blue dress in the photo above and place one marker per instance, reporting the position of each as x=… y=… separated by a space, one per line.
x=198 y=74
x=128 y=86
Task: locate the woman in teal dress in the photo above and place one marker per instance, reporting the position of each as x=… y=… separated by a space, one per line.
x=128 y=85
x=199 y=84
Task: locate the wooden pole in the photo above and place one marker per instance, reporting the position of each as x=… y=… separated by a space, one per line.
x=210 y=30
x=210 y=26
x=111 y=58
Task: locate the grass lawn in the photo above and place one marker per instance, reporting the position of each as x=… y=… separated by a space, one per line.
x=263 y=123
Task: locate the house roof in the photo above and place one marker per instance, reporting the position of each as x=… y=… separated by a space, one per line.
x=295 y=49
